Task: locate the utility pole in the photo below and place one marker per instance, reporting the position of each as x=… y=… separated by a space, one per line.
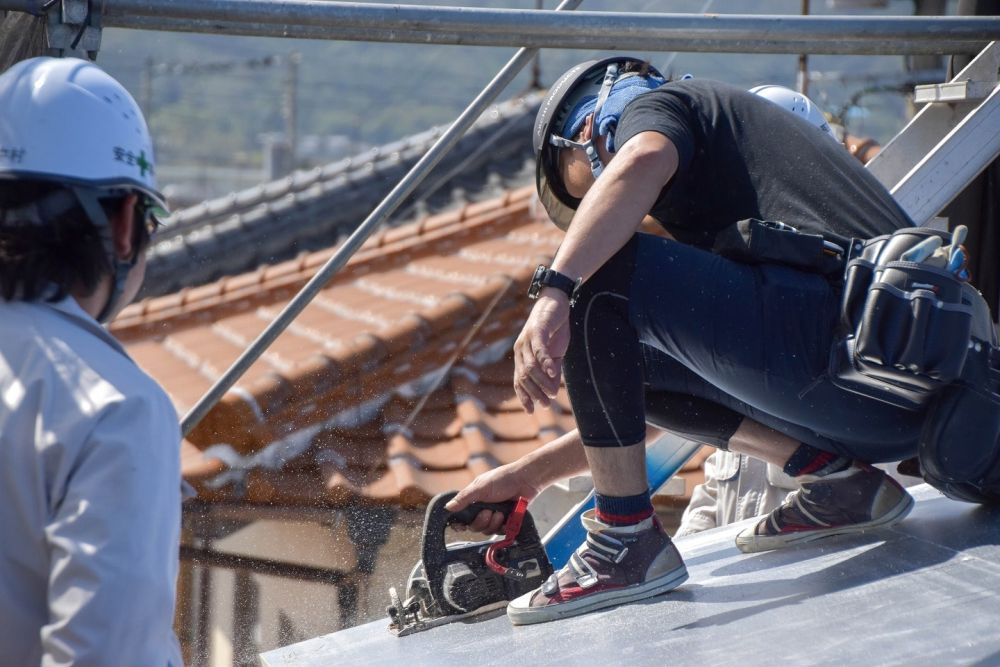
x=919 y=63
x=146 y=88
x=802 y=79
x=290 y=106
x=536 y=62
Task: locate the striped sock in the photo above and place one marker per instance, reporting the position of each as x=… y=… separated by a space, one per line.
x=623 y=510
x=808 y=460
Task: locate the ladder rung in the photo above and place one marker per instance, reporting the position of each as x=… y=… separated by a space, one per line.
x=954 y=91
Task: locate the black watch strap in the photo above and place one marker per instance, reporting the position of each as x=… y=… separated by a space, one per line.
x=546 y=277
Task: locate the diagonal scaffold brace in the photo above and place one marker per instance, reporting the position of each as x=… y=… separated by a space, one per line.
x=391 y=202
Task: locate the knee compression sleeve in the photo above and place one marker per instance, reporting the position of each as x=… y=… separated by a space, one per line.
x=603 y=366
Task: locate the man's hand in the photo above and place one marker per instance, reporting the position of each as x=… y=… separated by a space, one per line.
x=494 y=486
x=539 y=350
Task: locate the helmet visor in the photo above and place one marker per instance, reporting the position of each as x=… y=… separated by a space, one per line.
x=580 y=82
x=560 y=206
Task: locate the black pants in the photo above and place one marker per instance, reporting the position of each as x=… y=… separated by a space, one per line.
x=701 y=342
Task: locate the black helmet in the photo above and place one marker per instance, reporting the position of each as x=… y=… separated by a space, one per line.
x=594 y=77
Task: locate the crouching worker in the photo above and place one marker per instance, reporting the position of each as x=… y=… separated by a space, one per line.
x=644 y=327
x=89 y=444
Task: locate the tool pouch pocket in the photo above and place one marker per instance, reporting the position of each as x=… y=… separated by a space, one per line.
x=755 y=241
x=960 y=442
x=905 y=326
x=914 y=324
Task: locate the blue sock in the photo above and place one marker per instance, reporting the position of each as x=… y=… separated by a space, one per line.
x=623 y=510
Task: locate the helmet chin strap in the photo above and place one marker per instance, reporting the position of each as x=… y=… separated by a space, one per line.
x=92 y=207
x=588 y=147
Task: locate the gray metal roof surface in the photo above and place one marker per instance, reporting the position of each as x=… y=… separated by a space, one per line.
x=310 y=210
x=921 y=593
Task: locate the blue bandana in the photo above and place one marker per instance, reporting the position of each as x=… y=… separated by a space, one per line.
x=623 y=92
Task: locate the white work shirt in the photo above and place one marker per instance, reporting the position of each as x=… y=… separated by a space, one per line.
x=89 y=496
x=736 y=487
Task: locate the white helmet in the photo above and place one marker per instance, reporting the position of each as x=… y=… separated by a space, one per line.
x=797 y=103
x=66 y=120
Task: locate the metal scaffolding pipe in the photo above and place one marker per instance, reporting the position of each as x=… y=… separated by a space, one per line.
x=403 y=189
x=206 y=557
x=602 y=41
x=315 y=19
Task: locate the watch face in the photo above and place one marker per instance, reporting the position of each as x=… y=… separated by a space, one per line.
x=536 y=282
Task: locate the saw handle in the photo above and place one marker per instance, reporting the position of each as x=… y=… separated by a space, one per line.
x=438 y=518
x=468 y=515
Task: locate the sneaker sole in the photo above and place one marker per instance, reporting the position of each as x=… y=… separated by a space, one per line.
x=748 y=542
x=587 y=603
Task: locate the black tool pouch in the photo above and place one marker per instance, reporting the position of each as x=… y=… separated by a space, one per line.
x=917 y=337
x=755 y=241
x=906 y=327
x=960 y=442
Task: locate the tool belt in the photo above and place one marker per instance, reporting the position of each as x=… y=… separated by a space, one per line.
x=905 y=327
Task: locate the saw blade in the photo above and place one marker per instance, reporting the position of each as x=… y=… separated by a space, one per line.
x=394 y=599
x=482 y=614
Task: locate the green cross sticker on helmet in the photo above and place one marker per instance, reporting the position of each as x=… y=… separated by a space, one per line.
x=133 y=159
x=144 y=165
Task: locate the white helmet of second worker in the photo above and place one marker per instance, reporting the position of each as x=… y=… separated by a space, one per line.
x=797 y=103
x=66 y=120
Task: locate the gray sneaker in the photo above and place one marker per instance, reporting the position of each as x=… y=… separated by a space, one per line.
x=850 y=501
x=615 y=565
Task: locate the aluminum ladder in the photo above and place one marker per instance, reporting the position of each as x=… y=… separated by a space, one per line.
x=947 y=143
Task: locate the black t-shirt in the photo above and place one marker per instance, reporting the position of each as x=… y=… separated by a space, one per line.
x=742 y=156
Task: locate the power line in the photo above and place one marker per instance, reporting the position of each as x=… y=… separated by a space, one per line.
x=222 y=67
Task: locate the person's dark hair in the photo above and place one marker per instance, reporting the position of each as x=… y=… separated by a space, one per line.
x=65 y=253
x=635 y=66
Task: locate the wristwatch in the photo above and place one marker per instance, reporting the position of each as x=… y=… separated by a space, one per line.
x=546 y=277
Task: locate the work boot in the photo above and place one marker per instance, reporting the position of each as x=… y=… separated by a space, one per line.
x=850 y=501
x=616 y=564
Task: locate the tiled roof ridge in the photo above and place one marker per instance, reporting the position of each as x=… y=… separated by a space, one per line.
x=194 y=305
x=358 y=166
x=276 y=221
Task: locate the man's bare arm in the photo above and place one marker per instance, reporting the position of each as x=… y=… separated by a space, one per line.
x=609 y=215
x=561 y=458
x=616 y=204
